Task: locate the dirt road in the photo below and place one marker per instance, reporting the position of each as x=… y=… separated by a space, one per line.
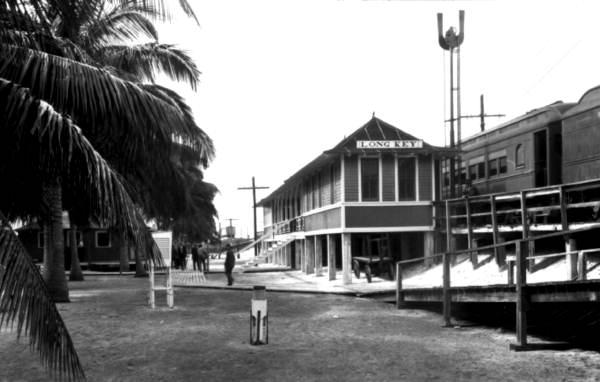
x=312 y=338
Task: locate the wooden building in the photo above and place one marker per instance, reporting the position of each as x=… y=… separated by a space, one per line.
x=99 y=248
x=369 y=197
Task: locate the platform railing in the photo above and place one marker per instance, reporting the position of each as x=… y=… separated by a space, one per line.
x=517 y=273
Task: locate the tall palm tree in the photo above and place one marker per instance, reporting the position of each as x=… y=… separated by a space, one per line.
x=111 y=108
x=45 y=86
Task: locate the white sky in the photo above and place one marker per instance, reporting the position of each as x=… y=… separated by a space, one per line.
x=282 y=81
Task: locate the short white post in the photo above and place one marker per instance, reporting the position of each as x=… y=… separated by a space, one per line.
x=259 y=329
x=151 y=299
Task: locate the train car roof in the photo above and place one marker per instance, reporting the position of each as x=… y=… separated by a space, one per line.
x=589 y=100
x=533 y=119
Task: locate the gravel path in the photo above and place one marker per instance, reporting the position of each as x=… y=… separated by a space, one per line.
x=312 y=338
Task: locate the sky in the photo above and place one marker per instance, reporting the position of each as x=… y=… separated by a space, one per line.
x=282 y=81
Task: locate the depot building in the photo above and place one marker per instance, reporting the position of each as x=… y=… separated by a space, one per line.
x=369 y=197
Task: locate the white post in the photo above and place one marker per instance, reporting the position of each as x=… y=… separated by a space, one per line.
x=151 y=299
x=347 y=258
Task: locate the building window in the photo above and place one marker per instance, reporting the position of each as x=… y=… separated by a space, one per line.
x=519 y=156
x=102 y=239
x=369 y=179
x=493 y=167
x=481 y=170
x=473 y=172
x=40 y=239
x=406 y=179
x=502 y=165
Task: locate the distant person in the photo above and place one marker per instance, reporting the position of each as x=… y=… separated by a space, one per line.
x=229 y=264
x=204 y=258
x=182 y=256
x=196 y=258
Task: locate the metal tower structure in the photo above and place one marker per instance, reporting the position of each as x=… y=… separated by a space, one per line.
x=451 y=42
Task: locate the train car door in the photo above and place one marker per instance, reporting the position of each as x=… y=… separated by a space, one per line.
x=540 y=158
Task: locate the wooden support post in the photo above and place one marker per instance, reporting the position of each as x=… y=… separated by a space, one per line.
x=563 y=209
x=571 y=258
x=447 y=298
x=170 y=294
x=522 y=298
x=469 y=225
x=524 y=222
x=581 y=266
x=151 y=296
x=318 y=256
x=448 y=229
x=510 y=269
x=399 y=292
x=331 y=257
x=500 y=256
x=347 y=258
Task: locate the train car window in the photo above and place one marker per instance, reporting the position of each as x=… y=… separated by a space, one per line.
x=502 y=165
x=519 y=156
x=473 y=172
x=481 y=170
x=406 y=179
x=370 y=179
x=493 y=167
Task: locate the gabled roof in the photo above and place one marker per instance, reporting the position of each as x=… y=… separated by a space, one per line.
x=374 y=130
x=377 y=130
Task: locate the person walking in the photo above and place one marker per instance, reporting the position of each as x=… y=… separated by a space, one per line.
x=229 y=264
x=204 y=258
x=196 y=258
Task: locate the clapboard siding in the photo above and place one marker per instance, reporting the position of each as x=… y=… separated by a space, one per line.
x=351 y=179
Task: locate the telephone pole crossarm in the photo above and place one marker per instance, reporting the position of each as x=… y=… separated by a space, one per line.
x=254 y=187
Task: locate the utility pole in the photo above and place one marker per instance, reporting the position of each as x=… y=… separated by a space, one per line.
x=482 y=114
x=451 y=42
x=254 y=188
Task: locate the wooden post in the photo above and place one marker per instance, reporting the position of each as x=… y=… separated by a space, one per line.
x=447 y=298
x=318 y=256
x=563 y=209
x=151 y=298
x=169 y=287
x=500 y=260
x=510 y=269
x=399 y=292
x=331 y=257
x=448 y=229
x=581 y=266
x=571 y=258
x=522 y=298
x=347 y=258
x=469 y=228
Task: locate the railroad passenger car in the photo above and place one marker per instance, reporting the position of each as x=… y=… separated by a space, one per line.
x=522 y=153
x=581 y=139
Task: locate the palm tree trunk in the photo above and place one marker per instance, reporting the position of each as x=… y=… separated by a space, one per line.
x=75 y=274
x=140 y=270
x=54 y=273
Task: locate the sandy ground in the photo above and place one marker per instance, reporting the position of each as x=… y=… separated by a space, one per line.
x=313 y=337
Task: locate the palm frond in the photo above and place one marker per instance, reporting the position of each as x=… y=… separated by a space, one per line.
x=118 y=25
x=202 y=148
x=162 y=11
x=53 y=145
x=25 y=300
x=96 y=98
x=145 y=60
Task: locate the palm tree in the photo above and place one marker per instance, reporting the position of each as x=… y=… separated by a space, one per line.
x=111 y=108
x=46 y=84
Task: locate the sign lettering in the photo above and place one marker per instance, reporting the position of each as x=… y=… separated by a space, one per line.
x=414 y=144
